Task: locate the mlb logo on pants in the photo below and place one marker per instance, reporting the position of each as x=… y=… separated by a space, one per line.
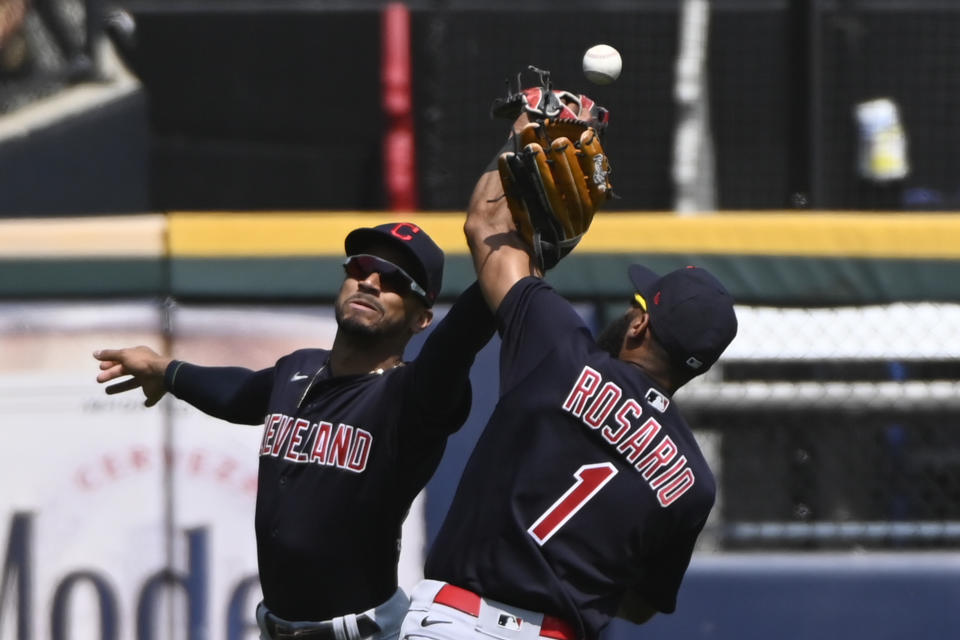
x=510 y=622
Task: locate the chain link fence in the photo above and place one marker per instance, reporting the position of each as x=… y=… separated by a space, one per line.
x=835 y=429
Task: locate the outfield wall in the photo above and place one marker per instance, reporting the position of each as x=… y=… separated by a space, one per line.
x=768 y=258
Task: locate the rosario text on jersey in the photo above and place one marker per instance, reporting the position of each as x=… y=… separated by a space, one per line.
x=601 y=405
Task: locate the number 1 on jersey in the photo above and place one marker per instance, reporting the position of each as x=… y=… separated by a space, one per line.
x=590 y=479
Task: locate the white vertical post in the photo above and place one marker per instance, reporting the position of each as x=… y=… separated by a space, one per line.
x=693 y=161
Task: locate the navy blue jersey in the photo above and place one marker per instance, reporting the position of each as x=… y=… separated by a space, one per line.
x=586 y=481
x=342 y=458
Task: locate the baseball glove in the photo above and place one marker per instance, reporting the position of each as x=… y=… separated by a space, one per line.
x=557 y=175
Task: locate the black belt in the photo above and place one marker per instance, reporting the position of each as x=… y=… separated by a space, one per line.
x=280 y=629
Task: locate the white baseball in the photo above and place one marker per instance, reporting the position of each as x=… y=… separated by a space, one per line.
x=602 y=64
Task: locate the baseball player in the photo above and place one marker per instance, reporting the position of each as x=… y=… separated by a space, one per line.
x=351 y=434
x=586 y=491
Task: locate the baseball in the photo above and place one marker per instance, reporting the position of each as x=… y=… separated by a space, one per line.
x=602 y=64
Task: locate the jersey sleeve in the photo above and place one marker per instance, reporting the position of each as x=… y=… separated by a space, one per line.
x=664 y=570
x=233 y=394
x=440 y=379
x=532 y=319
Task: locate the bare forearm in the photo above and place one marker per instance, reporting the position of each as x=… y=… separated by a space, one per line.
x=500 y=256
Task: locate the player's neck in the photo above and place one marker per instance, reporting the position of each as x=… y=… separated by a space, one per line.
x=654 y=370
x=347 y=358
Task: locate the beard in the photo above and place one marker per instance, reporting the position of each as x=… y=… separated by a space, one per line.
x=611 y=339
x=365 y=332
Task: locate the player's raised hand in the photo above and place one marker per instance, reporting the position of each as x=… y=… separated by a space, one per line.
x=556 y=175
x=146 y=366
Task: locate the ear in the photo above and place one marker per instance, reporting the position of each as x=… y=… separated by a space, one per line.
x=637 y=330
x=421 y=319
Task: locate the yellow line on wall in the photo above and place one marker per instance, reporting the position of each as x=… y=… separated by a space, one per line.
x=279 y=234
x=807 y=234
x=294 y=234
x=140 y=236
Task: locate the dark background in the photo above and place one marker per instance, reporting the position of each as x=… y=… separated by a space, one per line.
x=276 y=105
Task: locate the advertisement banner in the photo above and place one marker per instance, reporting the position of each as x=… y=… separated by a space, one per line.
x=119 y=521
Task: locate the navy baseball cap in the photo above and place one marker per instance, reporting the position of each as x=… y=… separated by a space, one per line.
x=691 y=314
x=426 y=258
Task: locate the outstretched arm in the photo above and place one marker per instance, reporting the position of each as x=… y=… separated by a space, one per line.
x=500 y=256
x=234 y=394
x=441 y=383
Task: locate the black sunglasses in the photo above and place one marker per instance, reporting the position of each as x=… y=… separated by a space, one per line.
x=394 y=278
